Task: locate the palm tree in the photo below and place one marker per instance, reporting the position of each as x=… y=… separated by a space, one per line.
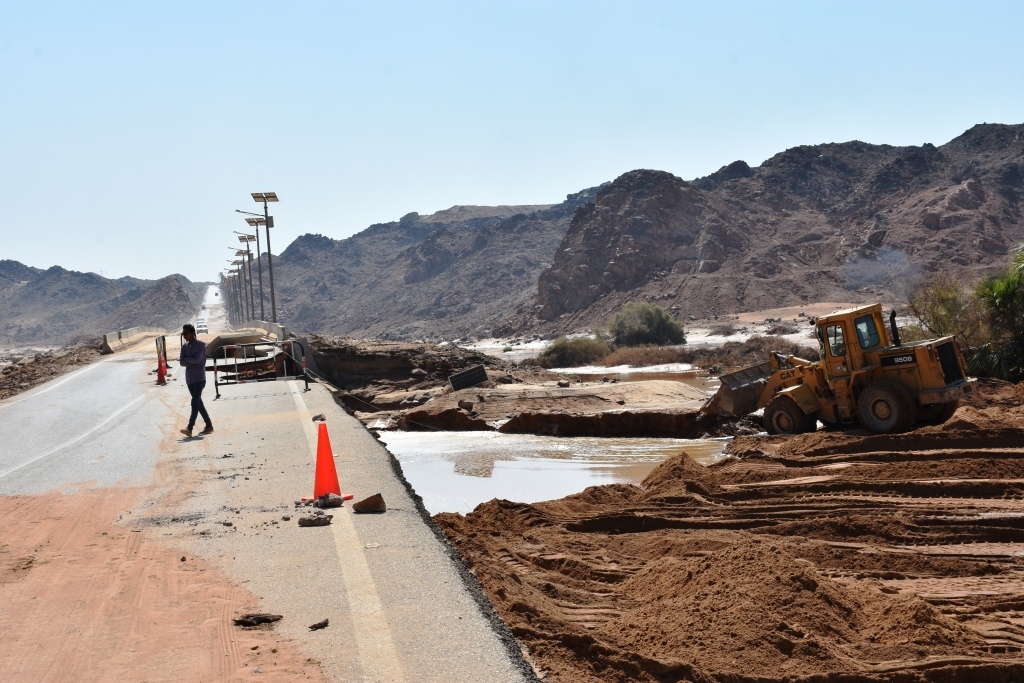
x=1003 y=298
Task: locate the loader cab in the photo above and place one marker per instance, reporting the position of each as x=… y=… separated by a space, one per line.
x=846 y=337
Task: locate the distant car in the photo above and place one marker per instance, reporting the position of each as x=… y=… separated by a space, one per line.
x=201 y=328
x=200 y=321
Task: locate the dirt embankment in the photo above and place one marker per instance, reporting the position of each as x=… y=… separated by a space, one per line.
x=30 y=371
x=827 y=557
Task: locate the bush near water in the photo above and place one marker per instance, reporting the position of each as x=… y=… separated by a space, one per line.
x=566 y=353
x=642 y=323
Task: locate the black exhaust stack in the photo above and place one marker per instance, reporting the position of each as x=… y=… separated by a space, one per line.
x=895 y=332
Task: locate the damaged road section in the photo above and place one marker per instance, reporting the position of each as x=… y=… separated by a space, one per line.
x=832 y=556
x=391 y=385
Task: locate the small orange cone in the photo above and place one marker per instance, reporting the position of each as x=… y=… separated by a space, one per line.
x=326 y=475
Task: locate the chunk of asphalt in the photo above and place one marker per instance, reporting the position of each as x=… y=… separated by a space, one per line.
x=373 y=504
x=256 y=619
x=315 y=521
x=319 y=625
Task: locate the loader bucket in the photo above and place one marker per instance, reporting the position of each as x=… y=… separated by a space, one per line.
x=740 y=391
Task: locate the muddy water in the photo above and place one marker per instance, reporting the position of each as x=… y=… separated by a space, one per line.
x=456 y=471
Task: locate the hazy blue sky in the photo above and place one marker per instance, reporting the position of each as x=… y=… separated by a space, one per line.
x=131 y=131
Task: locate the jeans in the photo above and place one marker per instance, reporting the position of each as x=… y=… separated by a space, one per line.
x=197 y=404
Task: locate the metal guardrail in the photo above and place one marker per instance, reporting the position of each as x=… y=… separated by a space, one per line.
x=262 y=325
x=262 y=361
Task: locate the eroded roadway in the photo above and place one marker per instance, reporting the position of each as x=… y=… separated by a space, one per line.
x=398 y=607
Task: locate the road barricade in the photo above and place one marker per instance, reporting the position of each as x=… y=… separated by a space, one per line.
x=260 y=361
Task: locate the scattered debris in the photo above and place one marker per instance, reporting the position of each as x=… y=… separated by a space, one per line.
x=319 y=418
x=256 y=619
x=374 y=503
x=319 y=625
x=316 y=521
x=329 y=500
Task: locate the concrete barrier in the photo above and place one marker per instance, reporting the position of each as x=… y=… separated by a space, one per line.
x=269 y=329
x=115 y=341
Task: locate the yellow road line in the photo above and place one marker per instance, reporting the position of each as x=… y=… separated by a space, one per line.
x=377 y=655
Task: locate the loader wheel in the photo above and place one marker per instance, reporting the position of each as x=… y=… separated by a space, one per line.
x=887 y=407
x=783 y=416
x=936 y=413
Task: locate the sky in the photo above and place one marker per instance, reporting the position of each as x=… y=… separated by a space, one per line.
x=132 y=131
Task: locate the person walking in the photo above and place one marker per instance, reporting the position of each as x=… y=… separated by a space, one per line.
x=193 y=359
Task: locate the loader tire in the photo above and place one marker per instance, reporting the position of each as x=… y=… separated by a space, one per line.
x=782 y=415
x=936 y=413
x=886 y=407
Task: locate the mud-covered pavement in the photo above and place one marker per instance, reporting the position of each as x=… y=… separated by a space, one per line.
x=833 y=556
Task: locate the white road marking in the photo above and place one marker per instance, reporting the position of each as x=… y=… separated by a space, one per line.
x=70 y=377
x=377 y=655
x=74 y=440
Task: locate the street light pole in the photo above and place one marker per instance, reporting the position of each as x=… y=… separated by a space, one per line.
x=268 y=197
x=247 y=303
x=255 y=224
x=236 y=294
x=246 y=239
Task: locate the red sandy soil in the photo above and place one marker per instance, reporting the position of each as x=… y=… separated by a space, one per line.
x=85 y=599
x=826 y=557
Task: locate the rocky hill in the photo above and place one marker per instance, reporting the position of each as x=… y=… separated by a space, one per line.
x=833 y=222
x=169 y=302
x=453 y=273
x=56 y=306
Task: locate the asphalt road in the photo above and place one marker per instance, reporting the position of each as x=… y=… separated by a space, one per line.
x=398 y=606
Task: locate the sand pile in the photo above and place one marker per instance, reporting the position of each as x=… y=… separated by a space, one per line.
x=826 y=557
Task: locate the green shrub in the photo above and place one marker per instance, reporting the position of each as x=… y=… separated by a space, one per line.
x=506 y=349
x=567 y=353
x=643 y=323
x=1003 y=298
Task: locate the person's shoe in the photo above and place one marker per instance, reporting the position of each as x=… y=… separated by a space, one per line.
x=208 y=429
x=186 y=432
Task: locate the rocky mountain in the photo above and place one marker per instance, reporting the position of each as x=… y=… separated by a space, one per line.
x=834 y=222
x=169 y=302
x=457 y=272
x=56 y=306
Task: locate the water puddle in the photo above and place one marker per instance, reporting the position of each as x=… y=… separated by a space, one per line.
x=456 y=471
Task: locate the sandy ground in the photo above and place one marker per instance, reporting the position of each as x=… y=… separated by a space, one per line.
x=107 y=602
x=832 y=556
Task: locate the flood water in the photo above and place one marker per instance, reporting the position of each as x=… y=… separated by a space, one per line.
x=456 y=471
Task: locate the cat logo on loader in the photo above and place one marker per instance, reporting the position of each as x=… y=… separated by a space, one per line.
x=866 y=375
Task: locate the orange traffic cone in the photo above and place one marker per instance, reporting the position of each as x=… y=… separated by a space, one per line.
x=326 y=475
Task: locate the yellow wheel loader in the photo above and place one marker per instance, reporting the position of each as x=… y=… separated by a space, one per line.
x=865 y=375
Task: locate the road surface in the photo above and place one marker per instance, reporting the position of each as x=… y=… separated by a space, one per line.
x=398 y=608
